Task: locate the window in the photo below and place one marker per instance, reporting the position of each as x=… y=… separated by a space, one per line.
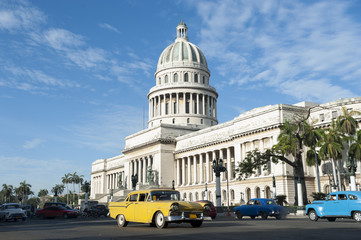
x=342 y=197
x=175 y=107
x=175 y=77
x=201 y=121
x=166 y=108
x=166 y=79
x=188 y=120
x=160 y=81
x=133 y=198
x=196 y=77
x=352 y=197
x=331 y=197
x=322 y=117
x=142 y=197
x=204 y=80
x=173 y=121
x=186 y=77
x=334 y=114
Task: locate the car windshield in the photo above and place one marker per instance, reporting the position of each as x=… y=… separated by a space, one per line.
x=165 y=195
x=271 y=202
x=11 y=206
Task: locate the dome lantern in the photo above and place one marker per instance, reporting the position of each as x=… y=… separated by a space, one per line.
x=182 y=30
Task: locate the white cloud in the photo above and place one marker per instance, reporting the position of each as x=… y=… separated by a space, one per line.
x=19 y=15
x=32 y=143
x=109 y=27
x=61 y=39
x=280 y=44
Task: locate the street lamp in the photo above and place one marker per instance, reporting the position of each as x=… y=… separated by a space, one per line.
x=274 y=187
x=352 y=167
x=218 y=168
x=173 y=188
x=206 y=192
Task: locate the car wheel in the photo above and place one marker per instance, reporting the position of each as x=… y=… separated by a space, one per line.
x=160 y=220
x=239 y=215
x=264 y=215
x=24 y=219
x=196 y=223
x=312 y=215
x=65 y=216
x=357 y=216
x=331 y=219
x=121 y=221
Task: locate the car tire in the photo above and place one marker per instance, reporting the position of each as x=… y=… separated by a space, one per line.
x=263 y=215
x=65 y=216
x=160 y=220
x=312 y=215
x=239 y=215
x=196 y=223
x=357 y=216
x=121 y=221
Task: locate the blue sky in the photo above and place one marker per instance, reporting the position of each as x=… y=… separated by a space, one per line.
x=74 y=75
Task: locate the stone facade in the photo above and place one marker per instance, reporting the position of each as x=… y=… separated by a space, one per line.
x=183 y=138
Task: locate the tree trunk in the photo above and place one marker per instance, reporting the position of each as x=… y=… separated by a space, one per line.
x=301 y=175
x=335 y=181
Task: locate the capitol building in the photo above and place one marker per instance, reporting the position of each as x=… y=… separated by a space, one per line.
x=183 y=137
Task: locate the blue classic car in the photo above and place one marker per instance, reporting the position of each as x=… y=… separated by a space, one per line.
x=343 y=204
x=260 y=207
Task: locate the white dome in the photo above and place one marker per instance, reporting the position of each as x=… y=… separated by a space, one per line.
x=182 y=53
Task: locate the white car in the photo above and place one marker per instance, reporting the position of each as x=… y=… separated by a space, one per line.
x=12 y=211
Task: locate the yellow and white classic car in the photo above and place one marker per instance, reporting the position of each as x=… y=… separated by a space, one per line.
x=158 y=207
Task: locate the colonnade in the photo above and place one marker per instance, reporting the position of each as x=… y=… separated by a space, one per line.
x=139 y=167
x=113 y=180
x=197 y=168
x=183 y=103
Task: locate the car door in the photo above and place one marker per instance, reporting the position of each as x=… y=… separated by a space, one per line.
x=249 y=209
x=141 y=210
x=331 y=205
x=342 y=208
x=130 y=207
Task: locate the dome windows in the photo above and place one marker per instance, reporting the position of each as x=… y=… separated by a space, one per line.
x=166 y=79
x=186 y=77
x=196 y=77
x=175 y=77
x=204 y=79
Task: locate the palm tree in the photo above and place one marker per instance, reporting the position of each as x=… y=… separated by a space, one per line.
x=43 y=192
x=24 y=190
x=74 y=179
x=331 y=148
x=7 y=192
x=66 y=180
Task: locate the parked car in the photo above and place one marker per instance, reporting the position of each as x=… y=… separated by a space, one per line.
x=29 y=210
x=342 y=204
x=159 y=207
x=56 y=211
x=12 y=211
x=212 y=213
x=96 y=210
x=48 y=204
x=263 y=207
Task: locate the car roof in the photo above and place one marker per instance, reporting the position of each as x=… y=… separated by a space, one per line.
x=358 y=193
x=153 y=190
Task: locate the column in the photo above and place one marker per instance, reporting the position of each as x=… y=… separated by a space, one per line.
x=204 y=105
x=144 y=170
x=184 y=101
x=229 y=165
x=188 y=170
x=177 y=110
x=201 y=168
x=178 y=172
x=183 y=171
x=215 y=107
x=207 y=167
x=197 y=102
x=195 y=169
x=171 y=103
x=191 y=103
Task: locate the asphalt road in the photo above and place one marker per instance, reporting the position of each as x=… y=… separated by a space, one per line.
x=221 y=228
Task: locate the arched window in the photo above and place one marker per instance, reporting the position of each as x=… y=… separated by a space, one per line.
x=268 y=192
x=196 y=197
x=175 y=77
x=201 y=121
x=190 y=197
x=224 y=196
x=159 y=80
x=173 y=120
x=248 y=194
x=196 y=77
x=188 y=120
x=204 y=80
x=166 y=79
x=186 y=77
x=184 y=196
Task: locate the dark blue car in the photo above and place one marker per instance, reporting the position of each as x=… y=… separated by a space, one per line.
x=261 y=207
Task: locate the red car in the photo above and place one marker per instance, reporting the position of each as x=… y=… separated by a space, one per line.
x=56 y=211
x=213 y=212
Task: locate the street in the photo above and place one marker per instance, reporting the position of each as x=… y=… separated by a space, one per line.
x=220 y=228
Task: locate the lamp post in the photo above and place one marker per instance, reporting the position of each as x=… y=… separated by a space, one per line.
x=352 y=167
x=206 y=192
x=274 y=187
x=218 y=168
x=173 y=188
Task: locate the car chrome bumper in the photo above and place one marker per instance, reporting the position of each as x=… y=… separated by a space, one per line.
x=185 y=217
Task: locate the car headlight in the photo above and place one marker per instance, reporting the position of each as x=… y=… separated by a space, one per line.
x=174 y=207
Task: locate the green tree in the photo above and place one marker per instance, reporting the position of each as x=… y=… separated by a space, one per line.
x=66 y=179
x=331 y=148
x=23 y=191
x=290 y=143
x=7 y=192
x=355 y=148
